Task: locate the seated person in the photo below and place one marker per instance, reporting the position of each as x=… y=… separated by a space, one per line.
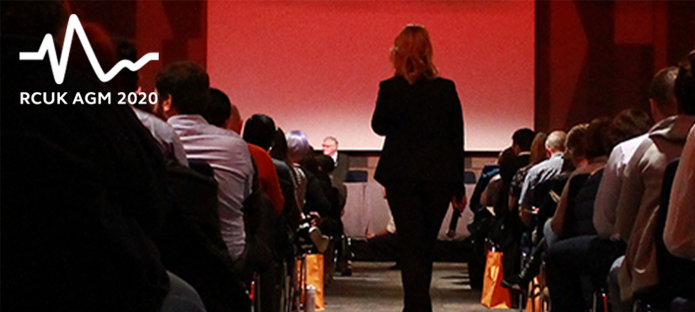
x=572 y=231
x=83 y=189
x=183 y=97
x=641 y=190
x=219 y=107
x=384 y=245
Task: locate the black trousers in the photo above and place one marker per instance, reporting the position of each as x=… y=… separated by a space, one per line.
x=418 y=209
x=569 y=260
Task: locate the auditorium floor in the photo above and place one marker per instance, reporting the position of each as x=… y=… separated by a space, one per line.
x=373 y=287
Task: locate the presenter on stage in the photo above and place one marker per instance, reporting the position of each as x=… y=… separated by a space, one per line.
x=421 y=163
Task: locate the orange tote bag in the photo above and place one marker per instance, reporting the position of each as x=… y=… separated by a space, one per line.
x=314 y=276
x=494 y=295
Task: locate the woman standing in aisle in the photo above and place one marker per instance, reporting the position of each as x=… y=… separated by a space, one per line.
x=421 y=164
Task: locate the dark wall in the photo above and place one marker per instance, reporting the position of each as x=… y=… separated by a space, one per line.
x=596 y=58
x=175 y=29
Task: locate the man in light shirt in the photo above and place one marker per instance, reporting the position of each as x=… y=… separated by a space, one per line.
x=183 y=89
x=555 y=147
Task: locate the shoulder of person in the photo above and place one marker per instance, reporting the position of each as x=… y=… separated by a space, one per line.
x=444 y=82
x=395 y=80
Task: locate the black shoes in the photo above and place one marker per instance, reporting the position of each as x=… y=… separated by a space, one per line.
x=344 y=267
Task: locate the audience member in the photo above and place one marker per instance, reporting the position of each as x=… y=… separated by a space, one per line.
x=103 y=48
x=521 y=145
x=555 y=149
x=480 y=228
x=627 y=131
x=629 y=128
x=675 y=250
x=495 y=194
x=297 y=149
x=83 y=189
x=384 y=245
x=315 y=200
x=641 y=189
x=537 y=175
x=164 y=135
x=278 y=151
x=574 y=154
x=508 y=224
x=575 y=251
x=130 y=80
x=678 y=233
x=269 y=182
x=537 y=154
x=343 y=266
x=544 y=202
x=505 y=232
x=319 y=181
x=260 y=129
x=183 y=97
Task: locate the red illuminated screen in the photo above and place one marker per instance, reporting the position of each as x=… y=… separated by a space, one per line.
x=315 y=66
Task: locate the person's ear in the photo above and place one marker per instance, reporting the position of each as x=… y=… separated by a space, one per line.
x=166 y=104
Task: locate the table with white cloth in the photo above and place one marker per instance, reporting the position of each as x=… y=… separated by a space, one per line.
x=367 y=211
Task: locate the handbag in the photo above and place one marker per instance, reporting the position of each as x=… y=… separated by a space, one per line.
x=494 y=295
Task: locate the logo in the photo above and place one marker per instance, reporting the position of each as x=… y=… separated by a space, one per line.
x=60 y=67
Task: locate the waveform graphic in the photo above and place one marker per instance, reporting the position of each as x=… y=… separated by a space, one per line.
x=60 y=67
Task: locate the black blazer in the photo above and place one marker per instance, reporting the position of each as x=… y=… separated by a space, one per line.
x=423 y=125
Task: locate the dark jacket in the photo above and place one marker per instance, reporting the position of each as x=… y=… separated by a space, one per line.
x=580 y=211
x=423 y=125
x=83 y=189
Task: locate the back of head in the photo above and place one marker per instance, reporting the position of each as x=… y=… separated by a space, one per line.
x=661 y=90
x=574 y=148
x=188 y=85
x=538 y=153
x=219 y=109
x=104 y=49
x=523 y=138
x=326 y=163
x=411 y=54
x=596 y=142
x=685 y=85
x=310 y=163
x=259 y=129
x=126 y=50
x=556 y=141
x=279 y=147
x=33 y=18
x=628 y=124
x=507 y=162
x=297 y=146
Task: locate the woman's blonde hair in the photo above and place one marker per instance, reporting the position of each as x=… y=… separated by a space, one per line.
x=411 y=54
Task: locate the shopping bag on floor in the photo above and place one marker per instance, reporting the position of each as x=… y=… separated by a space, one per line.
x=494 y=295
x=314 y=277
